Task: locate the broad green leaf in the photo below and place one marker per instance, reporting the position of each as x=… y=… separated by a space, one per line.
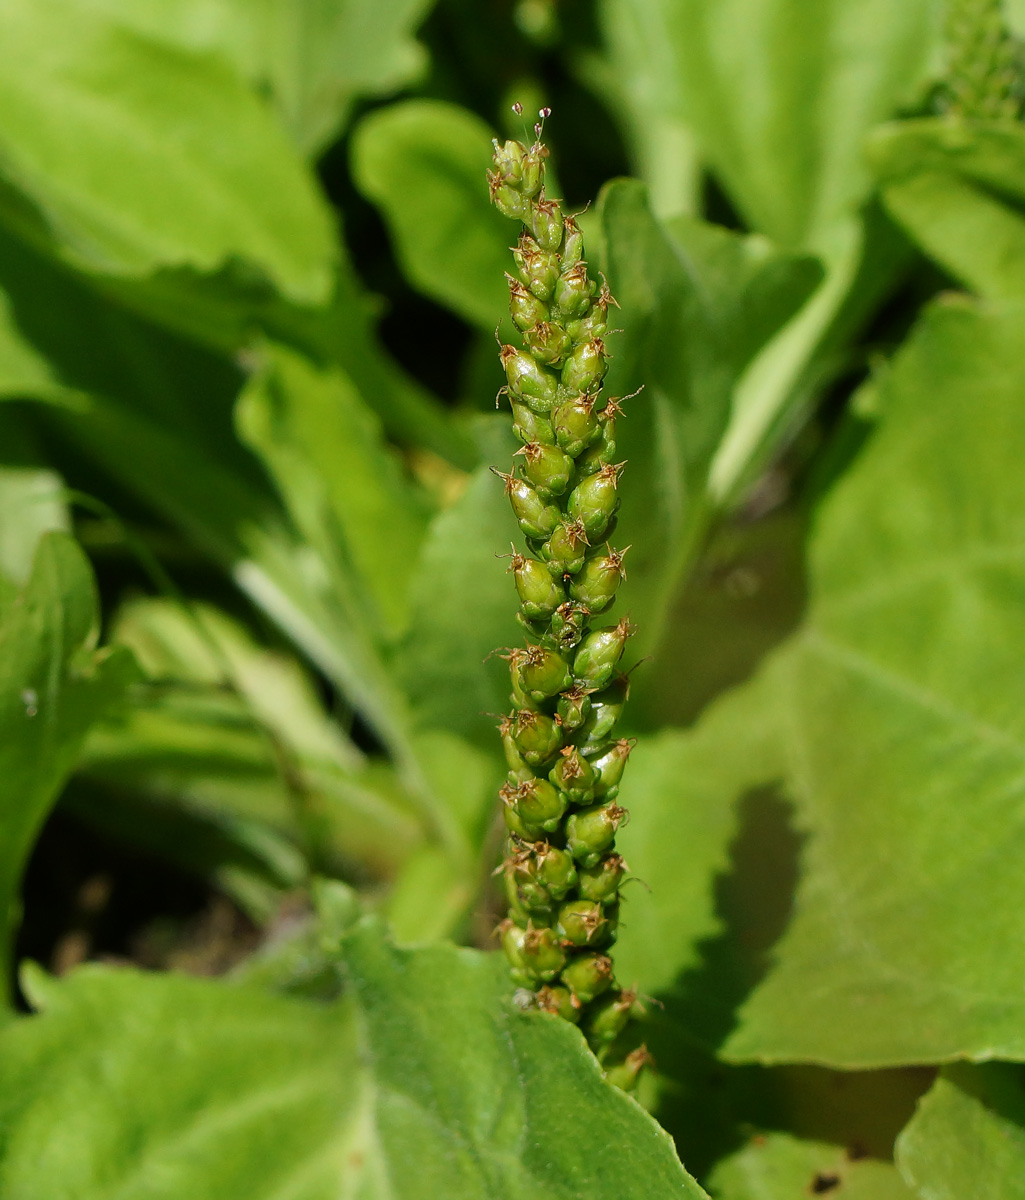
x=473 y=1099
x=30 y=505
x=899 y=717
x=424 y=162
x=24 y=372
x=780 y=113
x=777 y=1166
x=463 y=605
x=315 y=56
x=968 y=1136
x=697 y=303
x=953 y=187
x=53 y=685
x=207 y=1090
x=140 y=155
x=341 y=482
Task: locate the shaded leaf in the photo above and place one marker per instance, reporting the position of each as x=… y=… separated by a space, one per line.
x=90 y=112
x=53 y=686
x=968 y=1136
x=424 y=162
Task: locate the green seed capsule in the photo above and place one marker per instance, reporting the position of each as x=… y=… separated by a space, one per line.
x=514 y=759
x=556 y=869
x=576 y=425
x=573 y=292
x=609 y=767
x=539 y=269
x=509 y=200
x=588 y=976
x=547 y=467
x=559 y=1001
x=594 y=323
x=535 y=385
x=585 y=366
x=537 y=736
x=574 y=775
x=512 y=943
x=508 y=160
x=565 y=550
x=529 y=905
x=539 y=806
x=526 y=310
x=601 y=882
x=597 y=655
x=572 y=243
x=540 y=594
x=544 y=673
x=595 y=499
x=569 y=624
x=582 y=922
x=610 y=1017
x=536 y=518
x=605 y=710
x=548 y=343
x=574 y=707
x=543 y=956
x=591 y=831
x=517 y=659
x=545 y=220
x=625 y=1075
x=530 y=426
x=598 y=580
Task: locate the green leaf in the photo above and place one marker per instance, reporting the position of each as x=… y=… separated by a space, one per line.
x=777 y=1166
x=968 y=1136
x=697 y=302
x=473 y=1099
x=139 y=155
x=207 y=1090
x=53 y=686
x=423 y=162
x=30 y=505
x=316 y=57
x=24 y=372
x=953 y=187
x=463 y=603
x=343 y=485
x=896 y=702
x=781 y=112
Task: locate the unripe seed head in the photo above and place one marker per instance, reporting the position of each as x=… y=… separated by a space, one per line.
x=547 y=467
x=549 y=343
x=609 y=767
x=582 y=922
x=588 y=976
x=543 y=956
x=526 y=310
x=508 y=160
x=540 y=594
x=591 y=831
x=569 y=623
x=574 y=775
x=535 y=385
x=544 y=673
x=625 y=1075
x=565 y=549
x=594 y=500
x=556 y=869
x=601 y=882
x=573 y=292
x=605 y=710
x=528 y=425
x=597 y=655
x=559 y=1001
x=598 y=580
x=529 y=904
x=572 y=243
x=609 y=1017
x=545 y=219
x=585 y=366
x=536 y=518
x=514 y=759
x=509 y=201
x=576 y=425
x=574 y=707
x=537 y=736
x=539 y=269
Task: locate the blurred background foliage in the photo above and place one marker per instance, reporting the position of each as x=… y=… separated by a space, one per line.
x=249 y=588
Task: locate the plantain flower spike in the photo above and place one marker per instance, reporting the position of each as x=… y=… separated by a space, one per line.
x=561 y=870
